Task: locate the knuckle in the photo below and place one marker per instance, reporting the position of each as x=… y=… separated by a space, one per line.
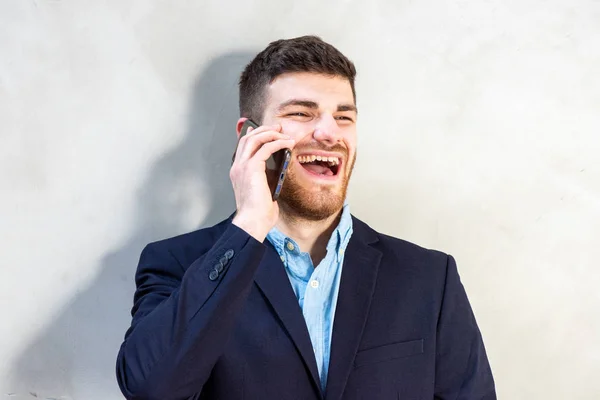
x=252 y=140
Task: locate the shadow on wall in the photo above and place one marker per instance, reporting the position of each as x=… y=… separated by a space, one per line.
x=74 y=357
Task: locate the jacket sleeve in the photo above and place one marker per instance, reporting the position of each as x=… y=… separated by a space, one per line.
x=181 y=321
x=462 y=369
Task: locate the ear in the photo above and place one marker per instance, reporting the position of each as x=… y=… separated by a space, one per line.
x=238 y=127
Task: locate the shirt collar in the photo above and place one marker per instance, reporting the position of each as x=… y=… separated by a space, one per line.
x=337 y=242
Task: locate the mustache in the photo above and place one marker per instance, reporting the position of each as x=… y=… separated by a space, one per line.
x=338 y=148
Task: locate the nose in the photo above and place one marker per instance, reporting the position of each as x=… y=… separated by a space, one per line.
x=327 y=130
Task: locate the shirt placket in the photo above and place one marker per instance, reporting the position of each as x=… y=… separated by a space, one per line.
x=325 y=288
x=313 y=312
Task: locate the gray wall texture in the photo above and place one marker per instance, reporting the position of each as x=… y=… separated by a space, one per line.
x=479 y=135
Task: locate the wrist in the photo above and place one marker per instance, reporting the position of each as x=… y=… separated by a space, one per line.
x=254 y=228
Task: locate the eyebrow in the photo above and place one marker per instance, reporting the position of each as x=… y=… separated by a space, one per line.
x=313 y=105
x=347 y=107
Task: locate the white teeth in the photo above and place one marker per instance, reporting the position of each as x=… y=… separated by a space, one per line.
x=329 y=160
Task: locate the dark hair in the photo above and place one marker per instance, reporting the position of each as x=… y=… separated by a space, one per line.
x=301 y=54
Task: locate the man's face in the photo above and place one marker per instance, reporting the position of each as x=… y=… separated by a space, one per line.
x=318 y=111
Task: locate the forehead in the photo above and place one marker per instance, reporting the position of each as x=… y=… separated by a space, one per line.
x=322 y=89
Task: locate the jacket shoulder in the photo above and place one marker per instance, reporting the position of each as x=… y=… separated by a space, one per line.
x=409 y=249
x=187 y=247
x=402 y=250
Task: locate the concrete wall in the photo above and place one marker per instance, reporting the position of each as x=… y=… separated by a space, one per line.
x=478 y=135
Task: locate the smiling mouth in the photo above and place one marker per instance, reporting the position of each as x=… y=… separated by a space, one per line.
x=317 y=165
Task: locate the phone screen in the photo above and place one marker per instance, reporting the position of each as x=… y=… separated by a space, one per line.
x=276 y=164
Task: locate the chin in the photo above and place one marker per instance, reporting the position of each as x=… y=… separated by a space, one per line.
x=305 y=197
x=312 y=205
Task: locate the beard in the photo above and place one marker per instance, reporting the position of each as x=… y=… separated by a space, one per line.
x=313 y=205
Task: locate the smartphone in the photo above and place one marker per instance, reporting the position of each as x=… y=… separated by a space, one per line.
x=277 y=163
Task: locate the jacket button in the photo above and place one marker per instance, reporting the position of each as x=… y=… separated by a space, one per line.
x=229 y=254
x=223 y=261
x=218 y=267
x=213 y=275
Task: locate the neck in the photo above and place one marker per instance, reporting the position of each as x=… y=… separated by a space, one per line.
x=311 y=236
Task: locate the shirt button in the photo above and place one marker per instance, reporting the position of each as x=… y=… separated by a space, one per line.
x=282 y=258
x=314 y=284
x=290 y=246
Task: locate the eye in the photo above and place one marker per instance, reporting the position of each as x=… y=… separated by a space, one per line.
x=343 y=118
x=297 y=114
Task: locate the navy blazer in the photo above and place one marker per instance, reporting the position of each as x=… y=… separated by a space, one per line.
x=215 y=317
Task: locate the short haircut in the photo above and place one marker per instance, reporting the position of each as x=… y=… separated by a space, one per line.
x=301 y=54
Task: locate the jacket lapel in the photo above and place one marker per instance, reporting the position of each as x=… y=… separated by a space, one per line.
x=274 y=283
x=357 y=285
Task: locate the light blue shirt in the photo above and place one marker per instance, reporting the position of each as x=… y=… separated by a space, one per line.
x=316 y=288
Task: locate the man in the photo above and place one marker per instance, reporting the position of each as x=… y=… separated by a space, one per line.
x=297 y=299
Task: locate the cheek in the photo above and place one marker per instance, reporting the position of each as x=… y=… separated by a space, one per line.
x=350 y=138
x=297 y=130
x=350 y=144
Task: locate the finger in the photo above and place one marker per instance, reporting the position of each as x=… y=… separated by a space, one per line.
x=255 y=142
x=262 y=128
x=269 y=148
x=253 y=132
